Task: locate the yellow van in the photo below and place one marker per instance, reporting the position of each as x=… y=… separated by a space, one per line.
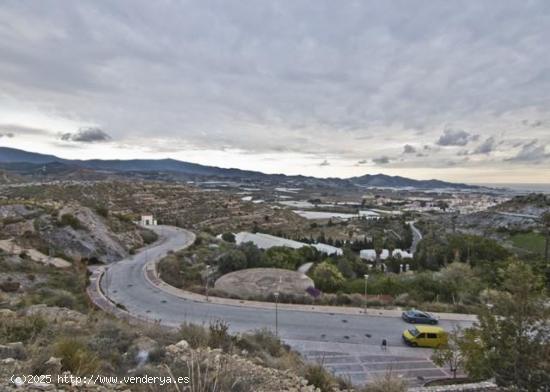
x=425 y=336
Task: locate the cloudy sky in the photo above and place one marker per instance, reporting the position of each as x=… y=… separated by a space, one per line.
x=438 y=89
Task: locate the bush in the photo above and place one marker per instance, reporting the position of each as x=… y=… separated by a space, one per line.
x=61 y=298
x=219 y=336
x=148 y=236
x=24 y=329
x=228 y=237
x=76 y=357
x=71 y=220
x=317 y=375
x=386 y=383
x=196 y=335
x=259 y=341
x=206 y=376
x=102 y=210
x=327 y=277
x=233 y=260
x=111 y=339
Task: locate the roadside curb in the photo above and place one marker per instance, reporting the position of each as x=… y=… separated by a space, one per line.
x=150 y=271
x=98 y=298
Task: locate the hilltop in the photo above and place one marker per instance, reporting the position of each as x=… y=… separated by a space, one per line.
x=35 y=164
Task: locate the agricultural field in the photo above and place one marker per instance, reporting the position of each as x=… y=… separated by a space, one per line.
x=533 y=242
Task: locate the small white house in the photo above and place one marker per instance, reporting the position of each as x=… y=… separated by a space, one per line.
x=367 y=254
x=402 y=253
x=369 y=215
x=148 y=220
x=370 y=254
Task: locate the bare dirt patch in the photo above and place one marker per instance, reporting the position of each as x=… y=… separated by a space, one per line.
x=263 y=282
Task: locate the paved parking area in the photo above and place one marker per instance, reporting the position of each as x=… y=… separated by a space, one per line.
x=361 y=368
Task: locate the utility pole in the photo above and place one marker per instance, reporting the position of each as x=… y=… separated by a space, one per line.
x=276 y=294
x=206 y=281
x=366 y=278
x=276 y=313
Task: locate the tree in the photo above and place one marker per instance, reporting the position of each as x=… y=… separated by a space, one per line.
x=327 y=277
x=546 y=223
x=450 y=355
x=228 y=237
x=255 y=257
x=233 y=260
x=458 y=283
x=511 y=341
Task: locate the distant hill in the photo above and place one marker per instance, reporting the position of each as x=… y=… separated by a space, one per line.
x=24 y=162
x=382 y=180
x=10 y=155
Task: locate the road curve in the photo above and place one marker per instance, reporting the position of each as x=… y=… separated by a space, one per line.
x=417 y=237
x=347 y=344
x=125 y=283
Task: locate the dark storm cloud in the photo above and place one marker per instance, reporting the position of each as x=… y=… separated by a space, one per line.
x=408 y=149
x=455 y=137
x=383 y=160
x=86 y=135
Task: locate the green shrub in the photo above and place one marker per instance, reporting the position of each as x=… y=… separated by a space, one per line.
x=327 y=277
x=233 y=260
x=148 y=236
x=71 y=220
x=259 y=341
x=316 y=375
x=219 y=336
x=20 y=329
x=102 y=210
x=196 y=335
x=228 y=237
x=76 y=357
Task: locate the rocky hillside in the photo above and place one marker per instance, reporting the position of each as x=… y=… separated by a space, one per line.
x=48 y=326
x=71 y=231
x=533 y=204
x=8 y=178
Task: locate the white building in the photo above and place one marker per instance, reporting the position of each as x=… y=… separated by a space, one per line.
x=369 y=215
x=148 y=220
x=266 y=241
x=367 y=254
x=370 y=254
x=402 y=253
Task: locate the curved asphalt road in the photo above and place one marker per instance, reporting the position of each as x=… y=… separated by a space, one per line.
x=124 y=282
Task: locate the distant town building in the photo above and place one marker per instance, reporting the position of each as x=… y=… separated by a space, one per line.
x=370 y=254
x=402 y=253
x=369 y=215
x=148 y=220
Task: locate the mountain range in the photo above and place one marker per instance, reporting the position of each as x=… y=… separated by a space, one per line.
x=24 y=162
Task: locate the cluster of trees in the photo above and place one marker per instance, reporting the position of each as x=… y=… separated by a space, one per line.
x=511 y=340
x=248 y=255
x=434 y=252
